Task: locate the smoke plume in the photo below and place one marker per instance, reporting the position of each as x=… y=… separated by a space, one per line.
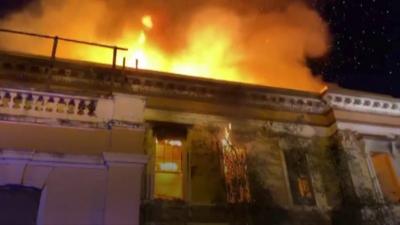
x=253 y=41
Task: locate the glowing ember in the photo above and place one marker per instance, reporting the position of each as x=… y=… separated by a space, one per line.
x=147 y=21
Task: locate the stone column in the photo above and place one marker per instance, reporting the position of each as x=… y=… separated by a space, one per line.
x=123 y=195
x=360 y=165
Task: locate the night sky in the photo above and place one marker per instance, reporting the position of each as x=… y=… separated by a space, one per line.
x=365 y=52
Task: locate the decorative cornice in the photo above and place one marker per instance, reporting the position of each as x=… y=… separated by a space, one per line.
x=363 y=104
x=227 y=94
x=100 y=79
x=369 y=129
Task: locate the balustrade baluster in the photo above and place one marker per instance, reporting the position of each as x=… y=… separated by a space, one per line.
x=86 y=111
x=1 y=98
x=18 y=101
x=76 y=106
x=7 y=100
x=11 y=103
x=39 y=103
x=60 y=105
x=24 y=101
x=47 y=103
x=28 y=102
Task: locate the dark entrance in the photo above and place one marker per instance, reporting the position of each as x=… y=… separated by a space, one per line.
x=18 y=205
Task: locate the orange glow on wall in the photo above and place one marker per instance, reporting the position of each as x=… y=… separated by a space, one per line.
x=304 y=187
x=387 y=177
x=168 y=185
x=235 y=169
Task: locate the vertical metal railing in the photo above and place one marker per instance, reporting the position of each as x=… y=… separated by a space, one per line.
x=56 y=40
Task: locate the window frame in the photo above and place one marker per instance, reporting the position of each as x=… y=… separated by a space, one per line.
x=375 y=179
x=289 y=185
x=151 y=166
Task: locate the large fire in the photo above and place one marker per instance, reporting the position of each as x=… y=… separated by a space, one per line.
x=207 y=56
x=211 y=41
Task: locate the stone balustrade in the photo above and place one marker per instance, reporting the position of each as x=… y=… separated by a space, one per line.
x=52 y=106
x=24 y=101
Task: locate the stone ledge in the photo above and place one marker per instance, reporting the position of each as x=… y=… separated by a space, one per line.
x=9 y=156
x=124 y=159
x=363 y=104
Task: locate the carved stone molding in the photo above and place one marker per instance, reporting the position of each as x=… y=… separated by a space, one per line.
x=363 y=104
x=350 y=140
x=227 y=93
x=151 y=83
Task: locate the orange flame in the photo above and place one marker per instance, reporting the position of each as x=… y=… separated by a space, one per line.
x=210 y=55
x=212 y=42
x=147 y=21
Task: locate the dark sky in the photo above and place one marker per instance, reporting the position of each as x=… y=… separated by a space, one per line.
x=365 y=52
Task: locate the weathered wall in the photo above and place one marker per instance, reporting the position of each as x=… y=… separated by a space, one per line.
x=267 y=158
x=74 y=196
x=72 y=140
x=206 y=174
x=78 y=189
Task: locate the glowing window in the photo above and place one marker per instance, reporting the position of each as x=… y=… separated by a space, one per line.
x=168 y=179
x=299 y=178
x=387 y=177
x=304 y=187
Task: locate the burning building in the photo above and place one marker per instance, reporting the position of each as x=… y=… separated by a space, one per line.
x=85 y=143
x=136 y=143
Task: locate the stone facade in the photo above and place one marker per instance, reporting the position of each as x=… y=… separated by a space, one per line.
x=88 y=138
